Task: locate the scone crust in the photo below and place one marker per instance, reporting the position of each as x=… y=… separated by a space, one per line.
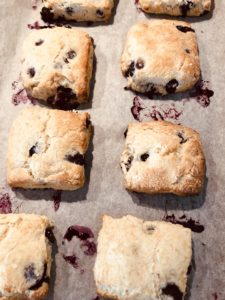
x=173 y=163
x=48 y=66
x=176 y=7
x=80 y=10
x=156 y=53
x=136 y=258
x=23 y=243
x=57 y=137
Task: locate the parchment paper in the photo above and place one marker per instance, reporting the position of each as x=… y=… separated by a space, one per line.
x=110 y=112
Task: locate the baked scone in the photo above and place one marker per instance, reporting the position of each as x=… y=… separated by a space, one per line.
x=161 y=56
x=46 y=149
x=161 y=157
x=142 y=260
x=77 y=10
x=25 y=256
x=57 y=65
x=176 y=7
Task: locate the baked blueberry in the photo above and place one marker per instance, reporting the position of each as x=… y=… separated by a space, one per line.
x=31 y=72
x=173 y=290
x=47 y=15
x=171 y=86
x=185 y=29
x=76 y=159
x=144 y=156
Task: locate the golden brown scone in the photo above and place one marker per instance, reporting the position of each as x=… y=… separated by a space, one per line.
x=77 y=10
x=57 y=65
x=46 y=149
x=161 y=56
x=176 y=7
x=161 y=157
x=25 y=256
x=142 y=260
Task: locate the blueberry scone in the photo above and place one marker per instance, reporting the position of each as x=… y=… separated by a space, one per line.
x=57 y=65
x=46 y=149
x=176 y=7
x=161 y=56
x=77 y=10
x=161 y=157
x=25 y=256
x=142 y=260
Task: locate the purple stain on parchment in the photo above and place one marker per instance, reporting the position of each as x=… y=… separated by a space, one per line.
x=142 y=109
x=57 y=195
x=20 y=95
x=72 y=260
x=34 y=4
x=215 y=296
x=201 y=94
x=88 y=246
x=195 y=226
x=5 y=203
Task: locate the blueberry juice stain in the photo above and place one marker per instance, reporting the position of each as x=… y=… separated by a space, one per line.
x=190 y=223
x=5 y=203
x=20 y=95
x=85 y=237
x=141 y=110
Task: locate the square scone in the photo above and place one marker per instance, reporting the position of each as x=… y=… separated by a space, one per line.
x=161 y=57
x=57 y=65
x=46 y=149
x=25 y=256
x=161 y=157
x=142 y=260
x=77 y=10
x=176 y=7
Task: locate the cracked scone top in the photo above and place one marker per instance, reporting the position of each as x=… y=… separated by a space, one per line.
x=161 y=56
x=25 y=256
x=77 y=10
x=162 y=157
x=176 y=7
x=57 y=65
x=142 y=260
x=46 y=149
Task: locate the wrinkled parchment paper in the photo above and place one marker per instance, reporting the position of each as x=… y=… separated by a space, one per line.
x=110 y=109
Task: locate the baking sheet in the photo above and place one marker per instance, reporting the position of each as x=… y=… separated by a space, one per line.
x=110 y=109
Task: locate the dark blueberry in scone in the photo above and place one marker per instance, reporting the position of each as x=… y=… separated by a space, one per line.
x=140 y=64
x=40 y=281
x=100 y=13
x=88 y=123
x=62 y=95
x=39 y=42
x=184 y=28
x=47 y=15
x=29 y=273
x=125 y=133
x=76 y=159
x=50 y=235
x=128 y=163
x=69 y=10
x=173 y=290
x=187 y=51
x=183 y=140
x=184 y=8
x=70 y=55
x=172 y=86
x=144 y=156
x=33 y=150
x=31 y=72
x=131 y=69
